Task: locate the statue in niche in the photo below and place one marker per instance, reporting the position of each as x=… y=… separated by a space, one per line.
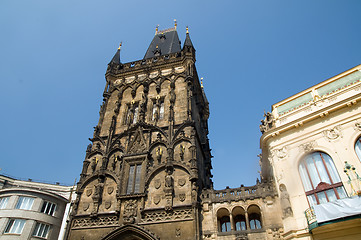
x=94 y=164
x=285 y=202
x=169 y=179
x=168 y=190
x=97 y=196
x=172 y=94
x=194 y=192
x=181 y=153
x=159 y=153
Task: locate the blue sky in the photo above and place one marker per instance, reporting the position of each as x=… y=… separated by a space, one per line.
x=251 y=54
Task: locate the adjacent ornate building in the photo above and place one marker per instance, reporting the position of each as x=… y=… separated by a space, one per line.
x=147 y=172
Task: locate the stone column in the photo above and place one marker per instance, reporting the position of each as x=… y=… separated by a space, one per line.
x=247 y=221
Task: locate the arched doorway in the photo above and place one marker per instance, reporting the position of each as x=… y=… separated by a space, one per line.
x=130 y=232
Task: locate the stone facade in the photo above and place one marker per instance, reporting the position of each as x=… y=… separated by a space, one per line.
x=147 y=171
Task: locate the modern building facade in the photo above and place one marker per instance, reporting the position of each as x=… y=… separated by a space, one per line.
x=33 y=210
x=147 y=172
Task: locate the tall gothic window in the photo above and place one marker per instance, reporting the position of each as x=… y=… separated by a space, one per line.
x=358 y=148
x=320 y=179
x=158 y=110
x=134 y=179
x=132 y=114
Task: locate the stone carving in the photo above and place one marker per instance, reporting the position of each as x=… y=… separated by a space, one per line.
x=308 y=147
x=130 y=211
x=157 y=183
x=168 y=190
x=358 y=126
x=86 y=206
x=181 y=153
x=95 y=222
x=107 y=204
x=178 y=232
x=159 y=153
x=333 y=133
x=275 y=233
x=181 y=182
x=194 y=192
x=110 y=190
x=280 y=152
x=97 y=196
x=182 y=197
x=156 y=199
x=167 y=216
x=138 y=145
x=285 y=202
x=88 y=192
x=267 y=123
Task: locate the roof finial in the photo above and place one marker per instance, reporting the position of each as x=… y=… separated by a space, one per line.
x=187 y=29
x=201 y=82
x=120 y=45
x=156 y=29
x=175 y=24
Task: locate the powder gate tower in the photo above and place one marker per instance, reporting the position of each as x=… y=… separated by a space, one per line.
x=149 y=159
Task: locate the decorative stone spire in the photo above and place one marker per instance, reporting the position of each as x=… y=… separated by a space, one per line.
x=116 y=58
x=188 y=41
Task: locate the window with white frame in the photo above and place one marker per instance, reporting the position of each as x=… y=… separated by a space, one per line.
x=25 y=203
x=15 y=226
x=48 y=208
x=41 y=230
x=134 y=178
x=358 y=148
x=3 y=202
x=320 y=179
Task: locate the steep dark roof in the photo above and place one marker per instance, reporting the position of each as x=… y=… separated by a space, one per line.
x=164 y=42
x=116 y=58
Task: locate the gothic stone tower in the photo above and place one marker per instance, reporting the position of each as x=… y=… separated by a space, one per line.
x=150 y=158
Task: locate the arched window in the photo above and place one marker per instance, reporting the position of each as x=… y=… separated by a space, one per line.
x=239 y=219
x=225 y=224
x=240 y=222
x=358 y=148
x=254 y=216
x=320 y=179
x=224 y=221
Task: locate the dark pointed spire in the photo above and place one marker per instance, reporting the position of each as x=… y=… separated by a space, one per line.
x=116 y=58
x=188 y=41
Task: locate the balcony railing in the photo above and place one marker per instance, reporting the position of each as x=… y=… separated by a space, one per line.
x=341 y=209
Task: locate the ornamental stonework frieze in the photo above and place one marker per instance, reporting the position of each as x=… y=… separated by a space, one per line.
x=95 y=222
x=308 y=147
x=333 y=133
x=167 y=216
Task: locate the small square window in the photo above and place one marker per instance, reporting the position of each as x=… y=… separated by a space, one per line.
x=48 y=208
x=25 y=203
